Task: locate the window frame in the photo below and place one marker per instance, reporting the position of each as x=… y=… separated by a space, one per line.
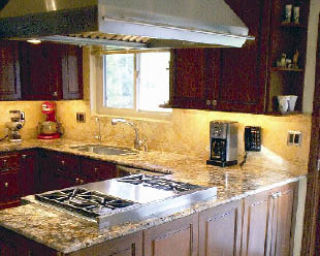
x=124 y=112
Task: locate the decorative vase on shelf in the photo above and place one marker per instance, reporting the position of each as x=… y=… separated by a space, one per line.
x=283 y=101
x=292 y=102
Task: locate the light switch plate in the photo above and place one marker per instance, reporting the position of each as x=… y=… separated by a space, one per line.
x=294 y=138
x=81 y=117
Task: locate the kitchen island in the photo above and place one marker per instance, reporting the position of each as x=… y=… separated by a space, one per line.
x=265 y=181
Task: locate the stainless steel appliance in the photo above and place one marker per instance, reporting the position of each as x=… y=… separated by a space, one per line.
x=17 y=121
x=127 y=199
x=223 y=143
x=123 y=24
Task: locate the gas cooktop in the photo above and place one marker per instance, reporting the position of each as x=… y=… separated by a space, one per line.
x=127 y=199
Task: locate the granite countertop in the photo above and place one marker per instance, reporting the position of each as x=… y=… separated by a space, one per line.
x=66 y=233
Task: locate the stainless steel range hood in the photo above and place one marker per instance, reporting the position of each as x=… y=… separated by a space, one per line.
x=125 y=23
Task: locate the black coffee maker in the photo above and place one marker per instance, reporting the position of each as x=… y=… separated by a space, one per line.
x=223 y=143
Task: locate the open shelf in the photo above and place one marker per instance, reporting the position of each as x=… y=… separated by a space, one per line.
x=287 y=69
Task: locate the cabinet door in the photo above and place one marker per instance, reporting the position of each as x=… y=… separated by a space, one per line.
x=130 y=245
x=176 y=238
x=72 y=72
x=97 y=170
x=281 y=217
x=28 y=173
x=41 y=71
x=255 y=224
x=9 y=186
x=244 y=70
x=9 y=71
x=220 y=230
x=192 y=78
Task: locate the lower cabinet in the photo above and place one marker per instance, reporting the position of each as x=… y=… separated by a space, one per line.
x=267 y=222
x=220 y=230
x=130 y=245
x=176 y=238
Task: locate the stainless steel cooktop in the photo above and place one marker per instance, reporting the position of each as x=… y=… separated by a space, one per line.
x=132 y=198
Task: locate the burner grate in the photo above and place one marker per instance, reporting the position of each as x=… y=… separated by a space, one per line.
x=85 y=202
x=159 y=183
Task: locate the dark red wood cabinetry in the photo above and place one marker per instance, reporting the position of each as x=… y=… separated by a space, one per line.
x=243 y=79
x=10 y=86
x=51 y=71
x=40 y=72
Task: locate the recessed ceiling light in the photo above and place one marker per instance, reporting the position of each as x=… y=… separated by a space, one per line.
x=34 y=41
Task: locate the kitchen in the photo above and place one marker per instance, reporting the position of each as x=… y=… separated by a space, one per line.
x=182 y=135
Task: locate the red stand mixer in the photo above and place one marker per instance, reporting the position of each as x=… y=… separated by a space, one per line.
x=49 y=129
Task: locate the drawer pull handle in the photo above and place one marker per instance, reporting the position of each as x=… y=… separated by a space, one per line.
x=6 y=184
x=24 y=156
x=96 y=169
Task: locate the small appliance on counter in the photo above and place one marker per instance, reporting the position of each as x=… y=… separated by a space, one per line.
x=17 y=121
x=49 y=129
x=223 y=143
x=252 y=138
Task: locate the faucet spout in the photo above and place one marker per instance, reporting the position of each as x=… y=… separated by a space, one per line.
x=138 y=143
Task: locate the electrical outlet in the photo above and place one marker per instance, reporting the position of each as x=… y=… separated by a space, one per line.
x=81 y=117
x=294 y=138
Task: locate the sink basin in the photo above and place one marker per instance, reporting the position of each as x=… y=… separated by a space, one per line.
x=104 y=150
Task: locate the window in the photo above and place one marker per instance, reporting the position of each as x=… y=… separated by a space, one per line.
x=136 y=81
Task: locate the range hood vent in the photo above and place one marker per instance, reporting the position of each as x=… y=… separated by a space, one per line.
x=125 y=23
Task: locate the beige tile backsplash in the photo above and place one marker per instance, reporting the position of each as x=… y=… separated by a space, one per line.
x=186 y=132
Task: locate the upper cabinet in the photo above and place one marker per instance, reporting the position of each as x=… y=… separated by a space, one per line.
x=51 y=71
x=40 y=72
x=246 y=79
x=9 y=71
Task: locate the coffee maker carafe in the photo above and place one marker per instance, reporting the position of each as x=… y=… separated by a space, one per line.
x=223 y=143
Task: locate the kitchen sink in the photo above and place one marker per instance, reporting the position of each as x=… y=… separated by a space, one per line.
x=104 y=150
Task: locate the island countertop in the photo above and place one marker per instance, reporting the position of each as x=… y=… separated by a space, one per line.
x=66 y=233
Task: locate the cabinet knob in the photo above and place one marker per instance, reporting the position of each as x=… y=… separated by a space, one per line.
x=62 y=162
x=276 y=195
x=96 y=169
x=6 y=184
x=24 y=156
x=55 y=94
x=214 y=103
x=208 y=102
x=81 y=181
x=77 y=180
x=5 y=161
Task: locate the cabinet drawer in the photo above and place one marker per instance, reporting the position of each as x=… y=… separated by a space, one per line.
x=8 y=162
x=9 y=186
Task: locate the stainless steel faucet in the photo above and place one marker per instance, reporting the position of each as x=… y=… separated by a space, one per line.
x=98 y=136
x=139 y=144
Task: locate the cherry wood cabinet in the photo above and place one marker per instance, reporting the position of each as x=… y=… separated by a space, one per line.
x=244 y=79
x=9 y=180
x=220 y=230
x=176 y=238
x=10 y=85
x=195 y=76
x=59 y=170
x=28 y=172
x=51 y=71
